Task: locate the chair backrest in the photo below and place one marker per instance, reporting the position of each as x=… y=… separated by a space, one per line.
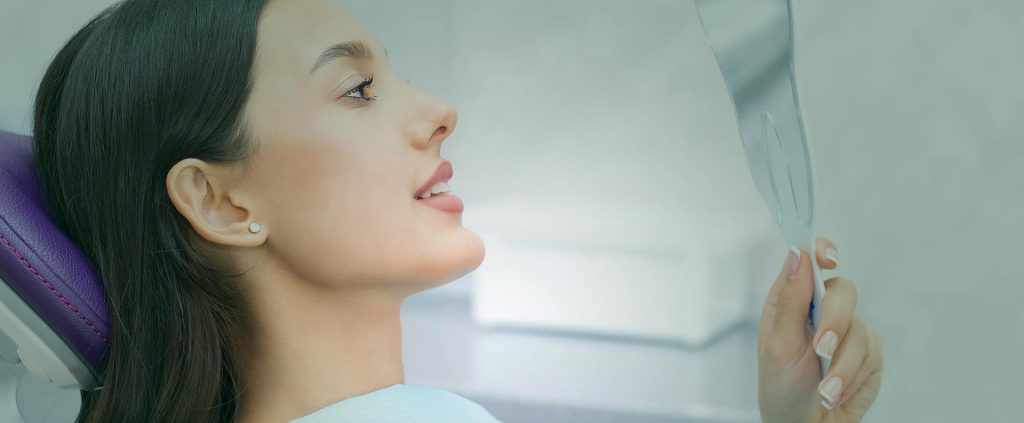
x=52 y=304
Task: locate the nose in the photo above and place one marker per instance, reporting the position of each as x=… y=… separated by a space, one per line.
x=439 y=118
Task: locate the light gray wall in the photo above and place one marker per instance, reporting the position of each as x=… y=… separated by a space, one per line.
x=914 y=108
x=917 y=113
x=31 y=32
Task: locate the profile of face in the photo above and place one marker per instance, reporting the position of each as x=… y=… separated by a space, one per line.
x=339 y=163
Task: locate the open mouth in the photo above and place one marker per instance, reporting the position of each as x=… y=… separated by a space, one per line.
x=438 y=182
x=439 y=188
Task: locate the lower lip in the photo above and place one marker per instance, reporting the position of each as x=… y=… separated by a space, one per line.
x=446 y=202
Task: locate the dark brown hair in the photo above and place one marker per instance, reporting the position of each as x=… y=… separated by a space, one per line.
x=143 y=85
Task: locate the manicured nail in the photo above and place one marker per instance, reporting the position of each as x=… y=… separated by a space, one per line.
x=832 y=254
x=827 y=344
x=793 y=261
x=830 y=392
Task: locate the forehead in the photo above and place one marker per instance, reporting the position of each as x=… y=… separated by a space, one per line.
x=293 y=33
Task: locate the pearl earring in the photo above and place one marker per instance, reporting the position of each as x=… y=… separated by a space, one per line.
x=254 y=227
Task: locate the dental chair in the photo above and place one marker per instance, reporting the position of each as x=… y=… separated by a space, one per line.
x=54 y=323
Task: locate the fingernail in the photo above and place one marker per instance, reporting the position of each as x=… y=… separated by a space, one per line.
x=831 y=391
x=827 y=345
x=832 y=254
x=793 y=261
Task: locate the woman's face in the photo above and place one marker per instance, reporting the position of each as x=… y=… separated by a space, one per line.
x=336 y=174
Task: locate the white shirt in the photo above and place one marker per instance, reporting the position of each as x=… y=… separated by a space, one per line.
x=402 y=404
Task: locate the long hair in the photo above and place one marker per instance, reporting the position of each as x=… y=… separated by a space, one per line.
x=143 y=85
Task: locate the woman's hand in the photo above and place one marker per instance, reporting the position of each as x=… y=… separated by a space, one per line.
x=789 y=370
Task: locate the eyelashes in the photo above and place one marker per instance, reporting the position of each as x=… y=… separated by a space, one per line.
x=360 y=92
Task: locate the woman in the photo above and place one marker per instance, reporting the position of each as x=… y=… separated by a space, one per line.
x=247 y=179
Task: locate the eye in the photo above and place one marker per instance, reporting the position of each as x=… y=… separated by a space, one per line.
x=359 y=92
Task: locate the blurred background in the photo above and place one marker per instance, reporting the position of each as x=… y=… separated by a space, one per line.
x=597 y=149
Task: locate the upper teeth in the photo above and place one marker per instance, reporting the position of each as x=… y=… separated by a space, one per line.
x=434 y=190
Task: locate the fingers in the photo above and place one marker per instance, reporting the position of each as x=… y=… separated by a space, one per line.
x=793 y=299
x=837 y=310
x=872 y=365
x=848 y=361
x=798 y=291
x=827 y=254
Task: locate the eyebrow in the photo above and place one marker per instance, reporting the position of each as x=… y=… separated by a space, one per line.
x=354 y=49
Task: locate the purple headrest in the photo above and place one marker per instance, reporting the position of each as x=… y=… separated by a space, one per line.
x=41 y=265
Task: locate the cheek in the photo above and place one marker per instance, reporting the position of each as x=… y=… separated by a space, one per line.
x=336 y=218
x=345 y=214
x=348 y=240
x=360 y=236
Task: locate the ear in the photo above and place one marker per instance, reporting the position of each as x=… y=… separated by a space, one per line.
x=203 y=194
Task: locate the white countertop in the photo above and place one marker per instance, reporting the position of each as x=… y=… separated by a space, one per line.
x=526 y=376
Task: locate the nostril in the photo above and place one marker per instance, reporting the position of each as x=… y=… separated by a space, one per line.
x=440 y=131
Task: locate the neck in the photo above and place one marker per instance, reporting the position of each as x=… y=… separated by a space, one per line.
x=315 y=348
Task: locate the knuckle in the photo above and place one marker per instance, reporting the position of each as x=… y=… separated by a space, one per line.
x=861 y=328
x=852 y=359
x=841 y=284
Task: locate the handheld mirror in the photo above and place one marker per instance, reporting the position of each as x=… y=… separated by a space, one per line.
x=752 y=41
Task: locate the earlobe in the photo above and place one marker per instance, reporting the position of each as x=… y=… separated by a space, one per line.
x=203 y=194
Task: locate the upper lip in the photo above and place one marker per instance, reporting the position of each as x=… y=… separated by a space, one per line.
x=443 y=173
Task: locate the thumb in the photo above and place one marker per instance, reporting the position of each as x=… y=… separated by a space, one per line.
x=794 y=301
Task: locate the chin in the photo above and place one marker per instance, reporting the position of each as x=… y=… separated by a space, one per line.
x=461 y=256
